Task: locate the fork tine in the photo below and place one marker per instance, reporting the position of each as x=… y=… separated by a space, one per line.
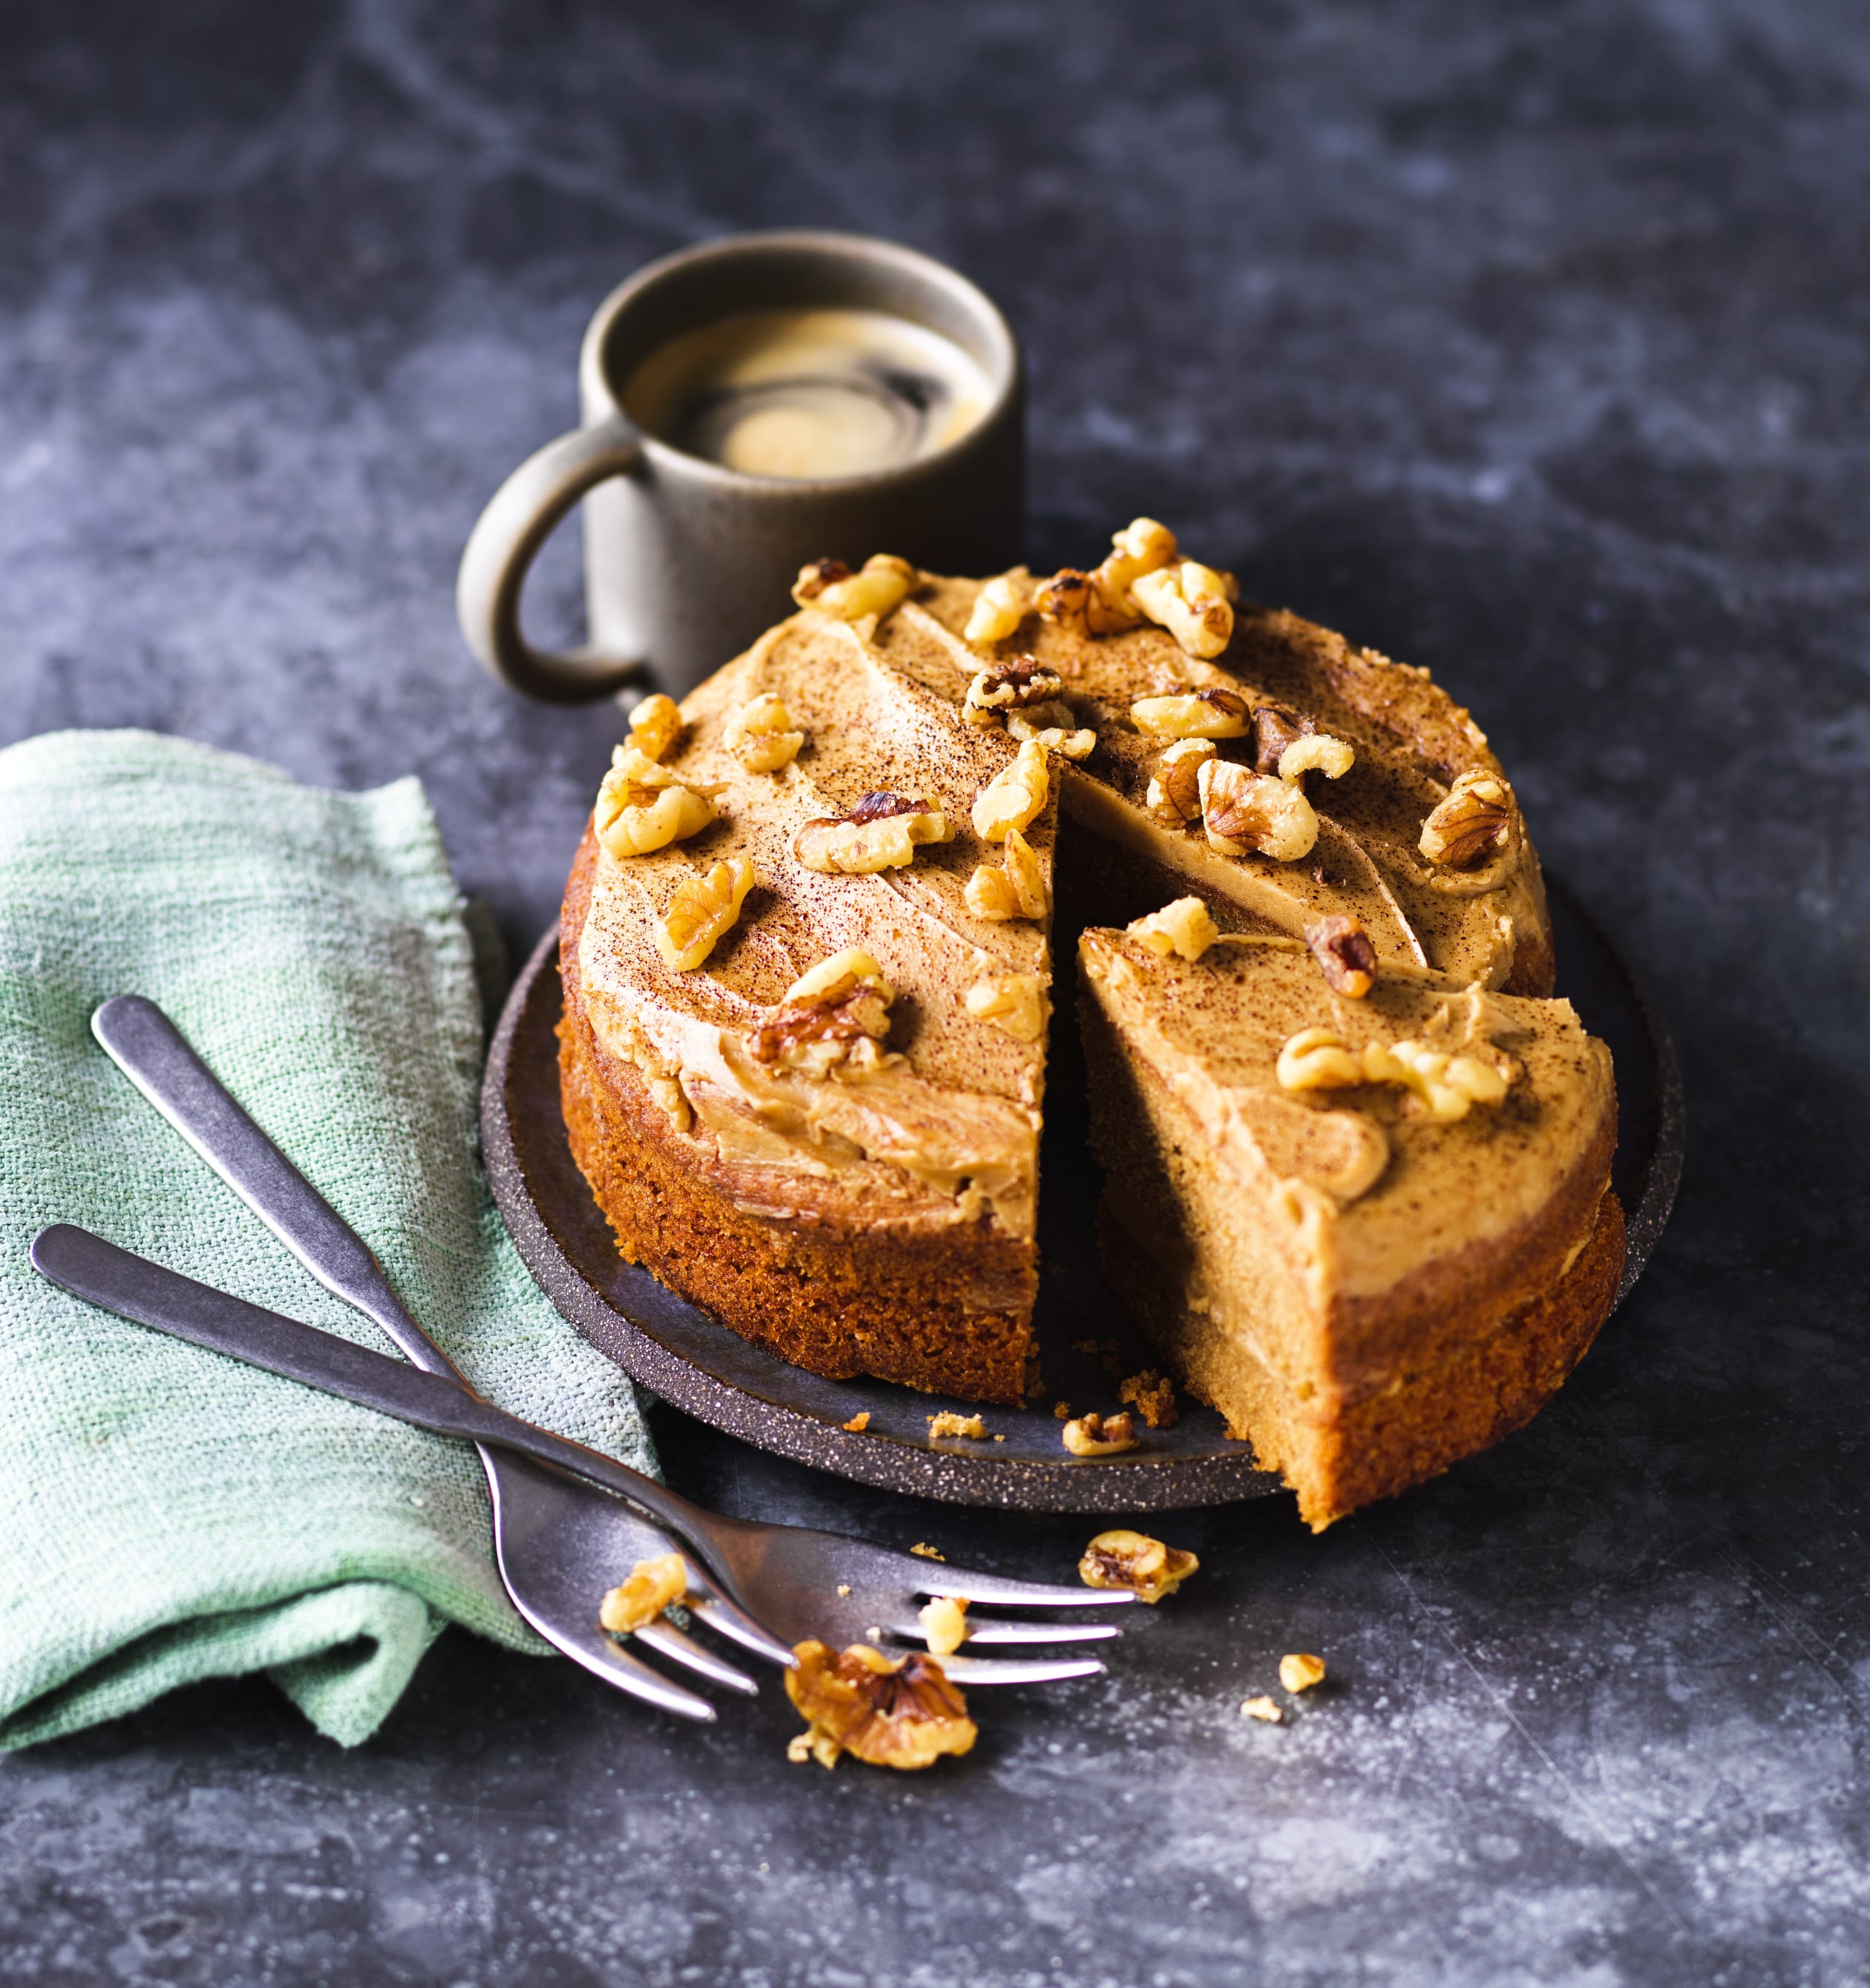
x=971 y=1671
x=602 y=1657
x=966 y=1587
x=668 y=1641
x=1004 y=1633
x=727 y=1618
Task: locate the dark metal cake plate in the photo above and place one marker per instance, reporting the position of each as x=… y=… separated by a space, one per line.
x=678 y=1351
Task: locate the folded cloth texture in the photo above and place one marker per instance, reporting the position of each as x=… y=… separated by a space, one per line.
x=170 y=1515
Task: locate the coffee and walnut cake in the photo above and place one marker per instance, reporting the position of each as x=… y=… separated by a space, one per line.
x=1359 y=1159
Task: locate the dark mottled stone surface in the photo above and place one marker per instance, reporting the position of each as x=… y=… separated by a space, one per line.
x=1530 y=343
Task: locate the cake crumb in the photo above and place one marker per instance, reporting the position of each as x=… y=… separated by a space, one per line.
x=844 y=1587
x=1152 y=1396
x=1000 y=1439
x=949 y=1423
x=1263 y=1708
x=1062 y=1410
x=944 y=1624
x=1301 y=1671
x=858 y=1424
x=927 y=1551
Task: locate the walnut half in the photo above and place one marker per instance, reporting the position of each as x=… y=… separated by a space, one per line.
x=903 y=1714
x=1245 y=813
x=760 y=734
x=703 y=910
x=835 y=1016
x=1472 y=825
x=881 y=832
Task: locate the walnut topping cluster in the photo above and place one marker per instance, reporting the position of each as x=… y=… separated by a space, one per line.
x=1212 y=713
x=1151 y=1395
x=1015 y=889
x=1017 y=1003
x=1344 y=955
x=653 y=1585
x=703 y=910
x=760 y=734
x=944 y=1624
x=1184 y=928
x=900 y=1713
x=1148 y=1568
x=1013 y=798
x=1099 y=1435
x=1447 y=1087
x=829 y=585
x=834 y=1017
x=1142 y=579
x=998 y=610
x=655 y=725
x=881 y=832
x=1020 y=684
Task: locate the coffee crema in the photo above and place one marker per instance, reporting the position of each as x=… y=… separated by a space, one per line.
x=809 y=393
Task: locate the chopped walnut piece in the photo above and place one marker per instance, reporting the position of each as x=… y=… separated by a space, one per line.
x=949 y=1423
x=1017 y=684
x=655 y=725
x=1301 y=1671
x=1151 y=1395
x=1344 y=955
x=998 y=610
x=1212 y=713
x=634 y=817
x=1317 y=751
x=1264 y=1709
x=1068 y=742
x=1016 y=889
x=653 y=1584
x=703 y=910
x=839 y=977
x=1018 y=1003
x=1075 y=601
x=829 y=585
x=1148 y=1568
x=1475 y=822
x=1274 y=728
x=1192 y=602
x=903 y=1713
x=944 y=1623
x=760 y=734
x=1446 y=1086
x=1014 y=797
x=926 y=1551
x=1099 y=1435
x=836 y=1015
x=1174 y=798
x=1185 y=928
x=1316 y=1059
x=1141 y=546
x=881 y=832
x=855 y=1426
x=1243 y=812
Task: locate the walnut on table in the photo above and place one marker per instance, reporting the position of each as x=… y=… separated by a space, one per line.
x=901 y=1713
x=1301 y=1671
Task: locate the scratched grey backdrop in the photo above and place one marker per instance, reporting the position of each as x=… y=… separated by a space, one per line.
x=1529 y=343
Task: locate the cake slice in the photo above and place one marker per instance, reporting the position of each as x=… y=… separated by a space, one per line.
x=1376 y=1233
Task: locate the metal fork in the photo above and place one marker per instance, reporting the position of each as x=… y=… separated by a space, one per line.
x=559 y=1543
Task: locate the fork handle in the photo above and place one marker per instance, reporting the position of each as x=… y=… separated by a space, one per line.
x=155 y=1057
x=133 y=1287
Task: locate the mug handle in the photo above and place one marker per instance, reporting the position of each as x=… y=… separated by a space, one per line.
x=520 y=517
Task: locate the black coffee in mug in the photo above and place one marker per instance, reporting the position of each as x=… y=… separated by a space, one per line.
x=805 y=394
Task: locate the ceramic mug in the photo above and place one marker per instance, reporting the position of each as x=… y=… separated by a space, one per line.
x=687 y=561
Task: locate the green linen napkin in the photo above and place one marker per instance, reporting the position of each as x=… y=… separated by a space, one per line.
x=168 y=1514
